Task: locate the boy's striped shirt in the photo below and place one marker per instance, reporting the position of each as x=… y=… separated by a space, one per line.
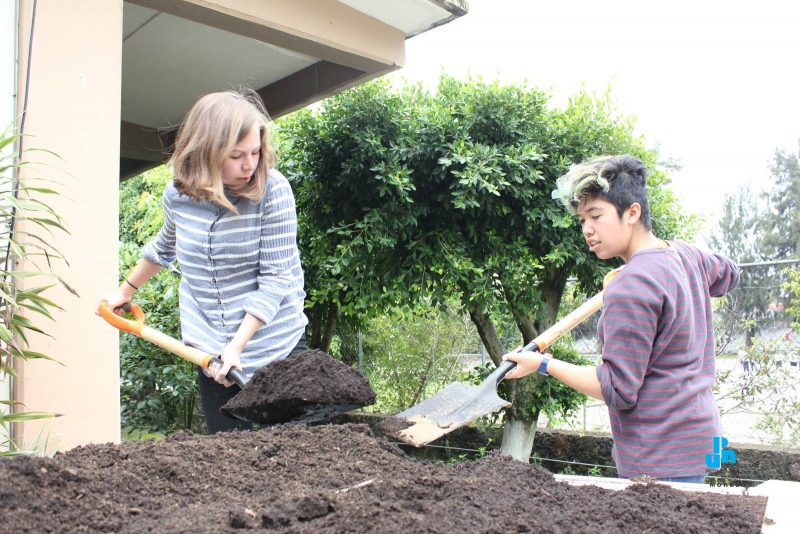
x=658 y=365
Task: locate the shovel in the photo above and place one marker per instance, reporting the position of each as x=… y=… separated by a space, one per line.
x=459 y=404
x=261 y=411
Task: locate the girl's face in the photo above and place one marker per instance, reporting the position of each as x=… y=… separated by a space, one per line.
x=607 y=235
x=241 y=163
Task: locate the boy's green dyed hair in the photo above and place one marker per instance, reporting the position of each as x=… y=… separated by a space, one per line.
x=620 y=180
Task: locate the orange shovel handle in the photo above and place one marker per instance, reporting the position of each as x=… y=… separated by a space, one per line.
x=137 y=327
x=134 y=326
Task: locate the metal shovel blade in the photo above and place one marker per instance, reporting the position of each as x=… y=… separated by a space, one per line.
x=459 y=404
x=294 y=411
x=453 y=407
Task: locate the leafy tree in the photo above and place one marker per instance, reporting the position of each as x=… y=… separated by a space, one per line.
x=158 y=390
x=738 y=236
x=356 y=214
x=493 y=154
x=780 y=225
x=449 y=195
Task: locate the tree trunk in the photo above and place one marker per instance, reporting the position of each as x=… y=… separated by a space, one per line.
x=525 y=325
x=329 y=328
x=752 y=332
x=322 y=321
x=520 y=423
x=555 y=280
x=487 y=332
x=518 y=438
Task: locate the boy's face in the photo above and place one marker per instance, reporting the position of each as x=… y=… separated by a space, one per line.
x=607 y=235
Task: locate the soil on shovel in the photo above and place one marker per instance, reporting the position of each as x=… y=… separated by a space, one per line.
x=310 y=385
x=330 y=478
x=392 y=426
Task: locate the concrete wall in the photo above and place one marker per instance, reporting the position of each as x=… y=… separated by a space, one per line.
x=74 y=111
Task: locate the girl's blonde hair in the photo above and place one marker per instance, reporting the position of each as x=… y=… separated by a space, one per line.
x=208 y=134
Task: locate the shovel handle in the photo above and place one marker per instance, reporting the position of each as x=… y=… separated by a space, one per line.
x=573 y=319
x=234 y=375
x=551 y=335
x=137 y=327
x=133 y=326
x=505 y=367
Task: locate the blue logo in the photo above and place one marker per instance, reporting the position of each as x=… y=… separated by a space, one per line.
x=720 y=454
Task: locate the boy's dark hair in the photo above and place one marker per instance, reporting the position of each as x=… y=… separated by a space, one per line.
x=620 y=180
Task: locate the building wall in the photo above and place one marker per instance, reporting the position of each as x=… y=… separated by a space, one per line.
x=74 y=111
x=7 y=109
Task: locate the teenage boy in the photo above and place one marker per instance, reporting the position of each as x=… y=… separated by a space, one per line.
x=656 y=327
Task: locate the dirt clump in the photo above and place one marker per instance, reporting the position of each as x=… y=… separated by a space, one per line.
x=330 y=478
x=392 y=426
x=311 y=385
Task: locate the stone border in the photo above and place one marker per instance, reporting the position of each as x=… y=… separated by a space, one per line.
x=753 y=462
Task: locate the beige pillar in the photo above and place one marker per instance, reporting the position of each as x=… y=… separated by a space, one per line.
x=74 y=111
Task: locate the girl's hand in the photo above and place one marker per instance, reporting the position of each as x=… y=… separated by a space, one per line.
x=527 y=363
x=231 y=357
x=115 y=300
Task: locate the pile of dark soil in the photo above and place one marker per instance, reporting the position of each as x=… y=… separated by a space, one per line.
x=332 y=478
x=310 y=385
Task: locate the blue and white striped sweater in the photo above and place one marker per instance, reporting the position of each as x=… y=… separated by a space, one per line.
x=235 y=264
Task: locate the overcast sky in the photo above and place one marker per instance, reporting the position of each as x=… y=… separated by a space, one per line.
x=714 y=85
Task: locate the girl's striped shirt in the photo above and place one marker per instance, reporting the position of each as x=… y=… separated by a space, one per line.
x=232 y=264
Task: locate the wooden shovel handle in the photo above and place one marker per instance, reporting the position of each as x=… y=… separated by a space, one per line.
x=551 y=335
x=576 y=317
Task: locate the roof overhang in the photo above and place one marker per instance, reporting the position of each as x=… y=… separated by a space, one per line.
x=293 y=52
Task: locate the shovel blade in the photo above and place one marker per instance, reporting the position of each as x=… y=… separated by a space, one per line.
x=453 y=407
x=295 y=411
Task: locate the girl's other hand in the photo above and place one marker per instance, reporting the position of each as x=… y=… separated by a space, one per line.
x=231 y=357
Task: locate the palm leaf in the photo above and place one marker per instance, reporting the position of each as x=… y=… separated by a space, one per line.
x=32 y=355
x=27 y=416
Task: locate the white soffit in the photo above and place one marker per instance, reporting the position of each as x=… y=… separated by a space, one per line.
x=168 y=62
x=409 y=16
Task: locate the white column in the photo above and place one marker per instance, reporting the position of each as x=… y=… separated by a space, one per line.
x=74 y=111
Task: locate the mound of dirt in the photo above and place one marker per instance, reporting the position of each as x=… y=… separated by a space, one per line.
x=310 y=385
x=332 y=478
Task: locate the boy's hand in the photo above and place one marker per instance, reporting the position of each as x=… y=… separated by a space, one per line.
x=527 y=362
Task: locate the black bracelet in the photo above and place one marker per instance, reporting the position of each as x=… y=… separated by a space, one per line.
x=129 y=283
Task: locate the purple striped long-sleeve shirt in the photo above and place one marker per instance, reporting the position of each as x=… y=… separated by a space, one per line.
x=658 y=364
